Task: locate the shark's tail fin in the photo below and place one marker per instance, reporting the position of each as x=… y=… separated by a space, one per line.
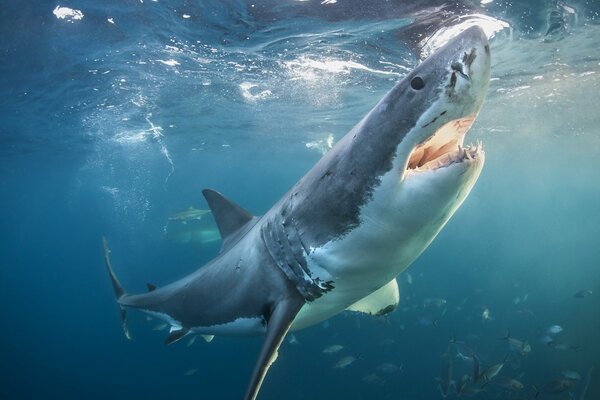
x=119 y=291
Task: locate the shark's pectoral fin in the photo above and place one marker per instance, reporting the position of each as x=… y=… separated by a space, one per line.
x=232 y=220
x=278 y=325
x=382 y=301
x=124 y=323
x=175 y=335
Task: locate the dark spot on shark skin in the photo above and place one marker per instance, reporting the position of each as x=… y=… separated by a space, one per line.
x=487 y=49
x=469 y=58
x=433 y=120
x=453 y=80
x=430 y=122
x=327 y=174
x=385 y=310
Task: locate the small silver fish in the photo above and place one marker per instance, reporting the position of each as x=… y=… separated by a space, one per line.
x=434 y=302
x=462 y=349
x=190 y=372
x=470 y=391
x=518 y=345
x=554 y=330
x=373 y=379
x=555 y=387
x=508 y=384
x=388 y=368
x=490 y=372
x=573 y=375
x=344 y=362
x=562 y=346
x=332 y=349
x=188 y=215
x=527 y=312
x=583 y=293
x=547 y=339
x=486 y=314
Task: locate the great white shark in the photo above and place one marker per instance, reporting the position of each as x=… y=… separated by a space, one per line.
x=340 y=236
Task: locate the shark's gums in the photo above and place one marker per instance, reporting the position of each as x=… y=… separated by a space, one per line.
x=340 y=236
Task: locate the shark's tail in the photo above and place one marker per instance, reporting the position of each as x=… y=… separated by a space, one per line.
x=119 y=291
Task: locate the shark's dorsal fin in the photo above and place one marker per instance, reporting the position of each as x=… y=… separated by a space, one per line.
x=382 y=301
x=278 y=325
x=230 y=217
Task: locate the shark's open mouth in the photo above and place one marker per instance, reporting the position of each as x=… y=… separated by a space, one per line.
x=445 y=147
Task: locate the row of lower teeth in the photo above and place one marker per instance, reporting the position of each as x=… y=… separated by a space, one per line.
x=470 y=152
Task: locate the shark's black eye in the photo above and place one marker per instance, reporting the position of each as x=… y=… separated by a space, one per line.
x=417 y=83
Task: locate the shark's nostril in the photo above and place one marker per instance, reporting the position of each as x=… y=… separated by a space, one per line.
x=457 y=66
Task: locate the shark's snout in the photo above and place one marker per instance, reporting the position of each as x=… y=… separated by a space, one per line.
x=463 y=72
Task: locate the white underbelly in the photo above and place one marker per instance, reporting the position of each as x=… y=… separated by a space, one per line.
x=357 y=265
x=394 y=230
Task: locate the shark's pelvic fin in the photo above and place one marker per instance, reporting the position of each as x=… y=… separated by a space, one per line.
x=119 y=291
x=175 y=335
x=208 y=338
x=232 y=220
x=382 y=301
x=278 y=325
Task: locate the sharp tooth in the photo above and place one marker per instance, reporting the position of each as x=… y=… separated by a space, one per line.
x=468 y=156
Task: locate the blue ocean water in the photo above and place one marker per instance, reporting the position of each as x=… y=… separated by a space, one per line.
x=114 y=119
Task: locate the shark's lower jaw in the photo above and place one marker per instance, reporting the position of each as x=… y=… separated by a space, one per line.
x=444 y=148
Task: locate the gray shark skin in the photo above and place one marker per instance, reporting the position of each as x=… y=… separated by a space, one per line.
x=338 y=239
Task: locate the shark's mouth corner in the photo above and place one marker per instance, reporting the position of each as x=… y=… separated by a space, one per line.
x=444 y=147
